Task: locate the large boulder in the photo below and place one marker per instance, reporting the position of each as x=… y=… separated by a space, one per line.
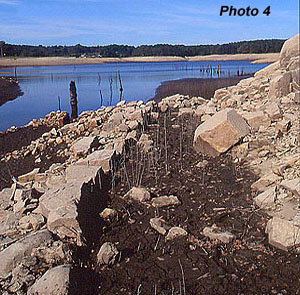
x=60 y=205
x=55 y=281
x=13 y=255
x=220 y=132
x=280 y=85
x=289 y=55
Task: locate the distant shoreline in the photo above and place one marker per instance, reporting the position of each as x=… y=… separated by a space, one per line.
x=57 y=61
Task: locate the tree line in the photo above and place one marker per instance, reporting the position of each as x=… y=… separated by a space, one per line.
x=114 y=50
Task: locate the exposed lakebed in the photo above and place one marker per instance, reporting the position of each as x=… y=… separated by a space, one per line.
x=42 y=85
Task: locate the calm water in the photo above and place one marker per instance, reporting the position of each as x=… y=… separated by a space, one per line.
x=43 y=85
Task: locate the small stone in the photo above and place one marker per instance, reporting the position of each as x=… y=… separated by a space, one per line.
x=176 y=232
x=59 y=140
x=263 y=153
x=159 y=225
x=138 y=194
x=109 y=214
x=214 y=233
x=107 y=254
x=165 y=201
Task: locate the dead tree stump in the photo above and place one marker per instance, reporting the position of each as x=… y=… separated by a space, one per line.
x=73 y=100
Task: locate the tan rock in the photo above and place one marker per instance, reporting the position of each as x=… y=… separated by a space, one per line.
x=159 y=225
x=273 y=110
x=220 y=132
x=101 y=158
x=29 y=176
x=109 y=214
x=107 y=254
x=175 y=233
x=280 y=85
x=139 y=194
x=283 y=126
x=256 y=119
x=214 y=233
x=266 y=199
x=289 y=50
x=283 y=234
x=265 y=181
x=85 y=145
x=165 y=201
x=55 y=281
x=292 y=185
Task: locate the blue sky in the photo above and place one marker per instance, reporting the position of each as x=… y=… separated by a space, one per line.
x=136 y=22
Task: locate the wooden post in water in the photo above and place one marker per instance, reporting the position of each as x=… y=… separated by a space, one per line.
x=111 y=90
x=101 y=98
x=121 y=87
x=73 y=100
x=16 y=73
x=59 y=103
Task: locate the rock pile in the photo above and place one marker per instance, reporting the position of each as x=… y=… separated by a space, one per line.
x=255 y=121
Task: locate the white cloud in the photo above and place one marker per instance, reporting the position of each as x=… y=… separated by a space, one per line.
x=9 y=2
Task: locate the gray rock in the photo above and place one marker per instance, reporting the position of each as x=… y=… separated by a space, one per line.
x=13 y=255
x=5 y=196
x=55 y=281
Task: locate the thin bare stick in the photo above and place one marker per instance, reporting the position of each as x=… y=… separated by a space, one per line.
x=182 y=273
x=139 y=290
x=166 y=150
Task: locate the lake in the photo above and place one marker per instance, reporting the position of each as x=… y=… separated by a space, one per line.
x=43 y=85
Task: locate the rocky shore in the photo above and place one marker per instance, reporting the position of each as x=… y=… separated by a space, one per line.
x=184 y=196
x=9 y=90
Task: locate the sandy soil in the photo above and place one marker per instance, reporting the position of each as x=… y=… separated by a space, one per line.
x=53 y=61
